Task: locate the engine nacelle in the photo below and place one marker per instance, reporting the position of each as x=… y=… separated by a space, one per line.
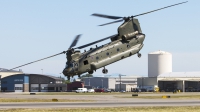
x=76 y=55
x=129 y=36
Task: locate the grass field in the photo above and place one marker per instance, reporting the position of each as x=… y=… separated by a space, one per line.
x=39 y=100
x=73 y=93
x=160 y=97
x=98 y=93
x=124 y=109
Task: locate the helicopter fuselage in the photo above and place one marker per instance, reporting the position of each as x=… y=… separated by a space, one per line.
x=128 y=42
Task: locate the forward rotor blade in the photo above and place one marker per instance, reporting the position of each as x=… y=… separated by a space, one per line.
x=159 y=9
x=39 y=60
x=112 y=22
x=83 y=46
x=106 y=16
x=75 y=41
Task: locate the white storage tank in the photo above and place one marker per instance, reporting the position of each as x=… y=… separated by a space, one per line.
x=159 y=62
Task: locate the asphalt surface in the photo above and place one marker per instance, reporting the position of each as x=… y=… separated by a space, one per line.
x=97 y=104
x=108 y=100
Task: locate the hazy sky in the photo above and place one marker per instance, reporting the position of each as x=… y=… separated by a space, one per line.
x=30 y=30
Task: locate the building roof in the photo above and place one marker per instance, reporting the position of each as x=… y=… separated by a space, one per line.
x=53 y=77
x=117 y=77
x=7 y=70
x=160 y=52
x=180 y=74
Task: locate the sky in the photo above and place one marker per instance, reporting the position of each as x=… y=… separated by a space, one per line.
x=31 y=30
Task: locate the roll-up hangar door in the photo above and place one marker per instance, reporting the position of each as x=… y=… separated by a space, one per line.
x=18 y=87
x=34 y=87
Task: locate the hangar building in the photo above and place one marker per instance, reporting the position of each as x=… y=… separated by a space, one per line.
x=31 y=83
x=160 y=74
x=127 y=82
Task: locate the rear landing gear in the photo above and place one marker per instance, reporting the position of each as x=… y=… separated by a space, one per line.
x=139 y=55
x=105 y=71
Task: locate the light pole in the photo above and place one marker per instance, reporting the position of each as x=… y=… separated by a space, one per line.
x=60 y=74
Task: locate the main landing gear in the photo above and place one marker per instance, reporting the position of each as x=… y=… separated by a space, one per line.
x=139 y=55
x=105 y=71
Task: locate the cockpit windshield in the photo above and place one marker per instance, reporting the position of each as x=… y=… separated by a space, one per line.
x=69 y=65
x=66 y=65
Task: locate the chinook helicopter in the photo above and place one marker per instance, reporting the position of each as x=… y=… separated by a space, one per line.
x=127 y=42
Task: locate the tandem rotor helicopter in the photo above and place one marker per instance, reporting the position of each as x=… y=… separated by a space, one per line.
x=127 y=42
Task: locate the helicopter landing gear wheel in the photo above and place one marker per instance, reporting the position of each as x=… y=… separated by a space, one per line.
x=139 y=55
x=105 y=71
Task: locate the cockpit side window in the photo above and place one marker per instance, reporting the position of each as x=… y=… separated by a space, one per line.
x=135 y=27
x=71 y=64
x=66 y=65
x=85 y=62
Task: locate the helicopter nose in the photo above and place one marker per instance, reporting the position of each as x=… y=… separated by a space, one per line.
x=67 y=71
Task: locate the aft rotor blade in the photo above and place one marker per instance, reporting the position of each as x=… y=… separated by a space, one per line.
x=83 y=46
x=159 y=9
x=39 y=60
x=75 y=41
x=112 y=22
x=106 y=16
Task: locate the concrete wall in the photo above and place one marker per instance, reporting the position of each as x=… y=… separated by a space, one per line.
x=111 y=83
x=146 y=81
x=40 y=79
x=96 y=82
x=108 y=82
x=26 y=88
x=125 y=87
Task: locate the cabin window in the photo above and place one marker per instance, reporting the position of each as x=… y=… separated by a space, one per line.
x=97 y=57
x=128 y=46
x=118 y=49
x=107 y=53
x=85 y=62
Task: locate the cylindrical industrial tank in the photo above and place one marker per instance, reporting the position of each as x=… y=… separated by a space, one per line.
x=159 y=62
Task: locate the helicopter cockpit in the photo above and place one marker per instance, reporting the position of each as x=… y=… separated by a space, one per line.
x=69 y=68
